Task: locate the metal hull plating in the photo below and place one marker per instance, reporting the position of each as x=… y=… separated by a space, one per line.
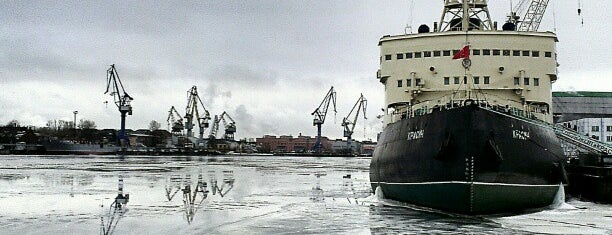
x=469 y=160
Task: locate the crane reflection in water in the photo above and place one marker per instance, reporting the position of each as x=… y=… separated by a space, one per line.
x=195 y=194
x=116 y=210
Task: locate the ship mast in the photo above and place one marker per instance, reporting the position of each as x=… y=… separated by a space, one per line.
x=464 y=15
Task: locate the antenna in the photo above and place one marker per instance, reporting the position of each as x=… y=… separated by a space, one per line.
x=408 y=28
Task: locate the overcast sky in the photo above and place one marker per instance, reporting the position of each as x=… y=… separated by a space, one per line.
x=267 y=63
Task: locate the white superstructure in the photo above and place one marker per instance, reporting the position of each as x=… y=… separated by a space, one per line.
x=506 y=68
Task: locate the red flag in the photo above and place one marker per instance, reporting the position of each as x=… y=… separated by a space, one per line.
x=463 y=53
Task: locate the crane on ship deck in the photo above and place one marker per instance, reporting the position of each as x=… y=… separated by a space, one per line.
x=349 y=122
x=319 y=116
x=192 y=111
x=533 y=13
x=115 y=88
x=175 y=122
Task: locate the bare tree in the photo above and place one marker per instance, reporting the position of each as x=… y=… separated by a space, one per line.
x=13 y=123
x=154 y=125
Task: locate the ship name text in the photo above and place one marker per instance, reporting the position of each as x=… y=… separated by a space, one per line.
x=520 y=135
x=413 y=135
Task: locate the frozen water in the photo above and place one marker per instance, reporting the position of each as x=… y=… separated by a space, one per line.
x=237 y=195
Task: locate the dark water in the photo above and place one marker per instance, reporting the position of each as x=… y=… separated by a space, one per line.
x=237 y=195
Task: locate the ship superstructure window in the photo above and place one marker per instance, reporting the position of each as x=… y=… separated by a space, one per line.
x=535 y=54
x=400 y=56
x=506 y=52
x=418 y=82
x=456 y=80
x=427 y=54
x=548 y=54
x=595 y=128
x=496 y=52
x=486 y=52
x=417 y=55
x=476 y=80
x=517 y=81
x=399 y=83
x=516 y=53
x=526 y=81
x=487 y=80
x=446 y=53
x=446 y=80
x=408 y=55
x=455 y=52
x=437 y=53
x=476 y=52
x=388 y=57
x=408 y=82
x=525 y=53
x=536 y=82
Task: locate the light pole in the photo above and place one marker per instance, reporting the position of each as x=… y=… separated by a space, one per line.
x=75 y=113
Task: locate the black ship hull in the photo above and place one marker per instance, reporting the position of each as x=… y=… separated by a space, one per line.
x=468 y=160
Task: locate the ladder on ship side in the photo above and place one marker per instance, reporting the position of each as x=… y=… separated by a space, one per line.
x=583 y=142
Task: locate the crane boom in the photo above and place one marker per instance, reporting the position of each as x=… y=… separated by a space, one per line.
x=192 y=111
x=349 y=123
x=175 y=122
x=114 y=86
x=320 y=113
x=230 y=128
x=533 y=17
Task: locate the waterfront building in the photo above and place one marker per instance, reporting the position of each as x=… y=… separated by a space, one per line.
x=588 y=113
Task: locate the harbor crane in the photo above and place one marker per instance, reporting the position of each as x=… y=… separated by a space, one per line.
x=349 y=122
x=534 y=11
x=193 y=101
x=230 y=127
x=115 y=88
x=319 y=116
x=175 y=122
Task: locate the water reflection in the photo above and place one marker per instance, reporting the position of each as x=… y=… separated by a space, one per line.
x=195 y=194
x=316 y=194
x=116 y=210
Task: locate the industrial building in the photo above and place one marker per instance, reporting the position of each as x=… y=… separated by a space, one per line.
x=588 y=113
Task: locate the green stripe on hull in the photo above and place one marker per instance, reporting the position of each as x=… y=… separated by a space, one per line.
x=469 y=198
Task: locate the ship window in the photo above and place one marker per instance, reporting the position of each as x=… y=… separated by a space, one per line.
x=526 y=81
x=408 y=82
x=476 y=80
x=496 y=52
x=486 y=52
x=536 y=82
x=548 y=54
x=446 y=80
x=595 y=128
x=516 y=53
x=525 y=53
x=436 y=53
x=417 y=55
x=418 y=82
x=388 y=57
x=608 y=138
x=486 y=80
x=476 y=52
x=517 y=81
x=535 y=53
x=456 y=80
x=446 y=53
x=427 y=54
x=595 y=137
x=609 y=128
x=408 y=55
x=399 y=83
x=400 y=56
x=506 y=52
x=455 y=52
x=464 y=79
